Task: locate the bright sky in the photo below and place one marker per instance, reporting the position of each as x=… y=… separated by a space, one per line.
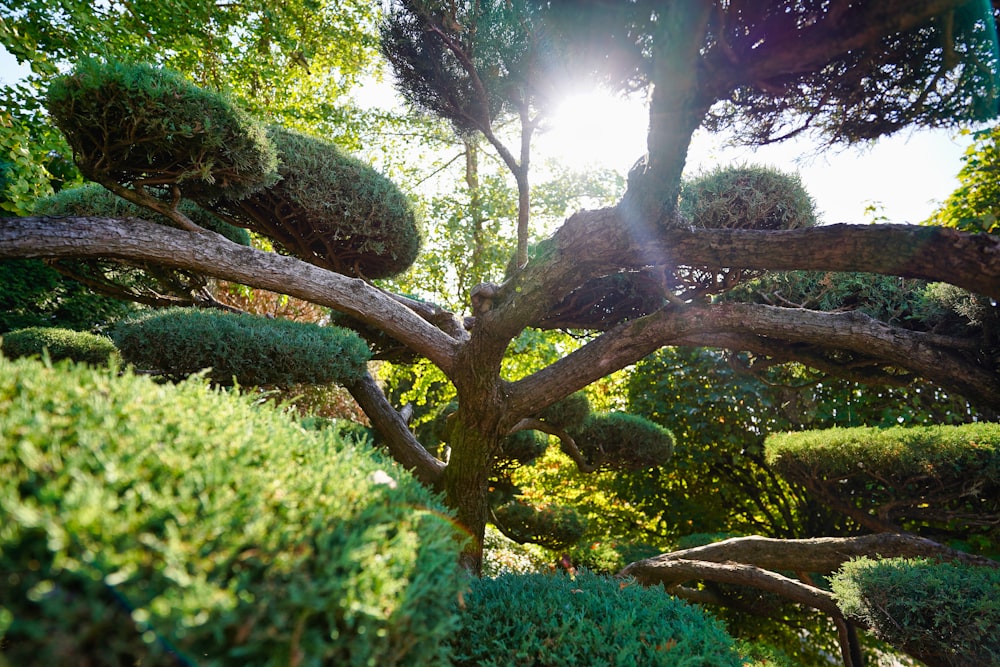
x=907 y=175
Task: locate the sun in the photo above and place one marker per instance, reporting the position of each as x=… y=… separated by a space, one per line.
x=595 y=128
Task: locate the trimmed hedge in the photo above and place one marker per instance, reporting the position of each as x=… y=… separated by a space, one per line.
x=941 y=613
x=554 y=620
x=620 y=441
x=330 y=209
x=138 y=124
x=940 y=477
x=176 y=524
x=746 y=197
x=255 y=350
x=60 y=343
x=551 y=525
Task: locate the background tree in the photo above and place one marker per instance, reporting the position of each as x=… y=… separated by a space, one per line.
x=783 y=52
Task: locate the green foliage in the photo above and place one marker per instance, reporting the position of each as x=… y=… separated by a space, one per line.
x=249 y=349
x=143 y=127
x=939 y=481
x=548 y=524
x=620 y=441
x=430 y=45
x=330 y=209
x=975 y=205
x=23 y=180
x=557 y=620
x=34 y=294
x=523 y=447
x=166 y=524
x=941 y=613
x=568 y=413
x=293 y=61
x=58 y=344
x=746 y=197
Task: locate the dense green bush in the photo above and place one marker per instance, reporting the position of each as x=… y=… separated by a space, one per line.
x=253 y=349
x=620 y=441
x=569 y=412
x=551 y=525
x=523 y=447
x=330 y=209
x=941 y=613
x=140 y=125
x=554 y=620
x=153 y=524
x=60 y=343
x=746 y=197
x=941 y=481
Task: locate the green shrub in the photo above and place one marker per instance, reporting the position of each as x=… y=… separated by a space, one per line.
x=556 y=620
x=941 y=613
x=331 y=209
x=569 y=412
x=620 y=441
x=153 y=524
x=140 y=125
x=746 y=197
x=523 y=447
x=60 y=343
x=942 y=479
x=551 y=525
x=253 y=349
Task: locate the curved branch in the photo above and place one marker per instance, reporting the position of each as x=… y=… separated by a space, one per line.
x=211 y=254
x=819 y=554
x=852 y=331
x=677 y=571
x=566 y=441
x=392 y=426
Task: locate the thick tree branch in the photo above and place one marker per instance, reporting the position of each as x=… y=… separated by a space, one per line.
x=629 y=342
x=210 y=254
x=676 y=571
x=820 y=554
x=392 y=426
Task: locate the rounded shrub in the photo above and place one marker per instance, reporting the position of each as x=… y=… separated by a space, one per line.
x=251 y=349
x=940 y=613
x=549 y=524
x=928 y=479
x=138 y=125
x=161 y=524
x=568 y=412
x=620 y=441
x=58 y=344
x=523 y=447
x=331 y=209
x=746 y=197
x=554 y=620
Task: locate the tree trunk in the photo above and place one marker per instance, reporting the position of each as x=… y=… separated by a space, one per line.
x=466 y=481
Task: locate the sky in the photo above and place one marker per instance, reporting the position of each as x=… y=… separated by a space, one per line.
x=905 y=176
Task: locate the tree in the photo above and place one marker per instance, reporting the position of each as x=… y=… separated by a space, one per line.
x=828 y=66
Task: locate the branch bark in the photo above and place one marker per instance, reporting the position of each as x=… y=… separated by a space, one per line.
x=629 y=342
x=819 y=554
x=392 y=426
x=213 y=255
